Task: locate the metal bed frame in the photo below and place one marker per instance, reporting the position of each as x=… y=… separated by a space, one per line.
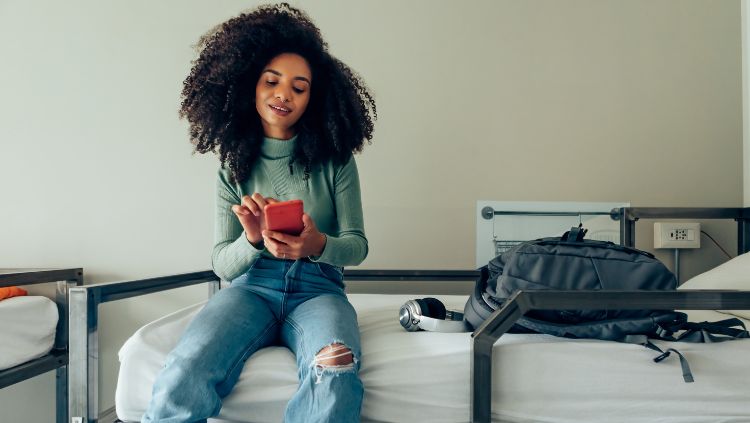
x=57 y=359
x=84 y=303
x=84 y=332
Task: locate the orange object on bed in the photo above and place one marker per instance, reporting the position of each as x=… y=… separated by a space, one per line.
x=11 y=291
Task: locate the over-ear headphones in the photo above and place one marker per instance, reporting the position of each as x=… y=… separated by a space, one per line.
x=430 y=314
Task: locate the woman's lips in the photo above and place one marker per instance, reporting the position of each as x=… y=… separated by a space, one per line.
x=281 y=111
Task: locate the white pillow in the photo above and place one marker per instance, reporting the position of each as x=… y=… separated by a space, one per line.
x=734 y=274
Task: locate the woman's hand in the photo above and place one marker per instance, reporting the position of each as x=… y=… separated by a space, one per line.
x=309 y=243
x=251 y=216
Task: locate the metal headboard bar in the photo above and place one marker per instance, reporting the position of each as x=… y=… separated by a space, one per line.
x=488 y=213
x=84 y=317
x=411 y=275
x=13 y=277
x=635 y=213
x=629 y=215
x=632 y=214
x=522 y=302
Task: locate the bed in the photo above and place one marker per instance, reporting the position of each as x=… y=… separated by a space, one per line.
x=423 y=376
x=461 y=377
x=28 y=329
x=34 y=330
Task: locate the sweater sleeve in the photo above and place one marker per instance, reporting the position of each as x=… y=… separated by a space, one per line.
x=349 y=247
x=232 y=254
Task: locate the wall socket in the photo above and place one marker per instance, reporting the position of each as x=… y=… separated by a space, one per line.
x=677 y=235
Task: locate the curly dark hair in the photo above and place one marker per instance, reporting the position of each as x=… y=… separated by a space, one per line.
x=218 y=94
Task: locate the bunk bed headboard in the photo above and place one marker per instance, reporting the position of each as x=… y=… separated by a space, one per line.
x=503 y=224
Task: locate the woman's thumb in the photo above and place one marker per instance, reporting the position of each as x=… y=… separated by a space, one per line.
x=307 y=220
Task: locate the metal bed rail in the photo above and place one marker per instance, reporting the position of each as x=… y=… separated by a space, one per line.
x=521 y=302
x=83 y=385
x=84 y=352
x=83 y=380
x=628 y=216
x=57 y=359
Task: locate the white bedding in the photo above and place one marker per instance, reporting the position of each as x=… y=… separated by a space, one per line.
x=27 y=329
x=421 y=377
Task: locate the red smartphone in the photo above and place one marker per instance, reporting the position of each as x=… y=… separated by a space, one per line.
x=285 y=216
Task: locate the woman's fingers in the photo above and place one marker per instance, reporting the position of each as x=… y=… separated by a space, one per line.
x=277 y=248
x=259 y=200
x=256 y=202
x=240 y=210
x=280 y=237
x=250 y=203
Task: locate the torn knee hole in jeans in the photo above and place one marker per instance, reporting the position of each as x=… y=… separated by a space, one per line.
x=343 y=360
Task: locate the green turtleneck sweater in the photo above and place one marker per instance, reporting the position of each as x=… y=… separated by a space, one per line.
x=331 y=197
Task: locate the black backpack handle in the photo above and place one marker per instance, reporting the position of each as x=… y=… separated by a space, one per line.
x=575 y=234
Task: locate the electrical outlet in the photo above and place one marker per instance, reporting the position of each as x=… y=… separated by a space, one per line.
x=677 y=235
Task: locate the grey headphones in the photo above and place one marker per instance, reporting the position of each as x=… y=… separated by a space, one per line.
x=430 y=314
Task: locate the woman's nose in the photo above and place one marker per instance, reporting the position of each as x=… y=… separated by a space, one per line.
x=283 y=94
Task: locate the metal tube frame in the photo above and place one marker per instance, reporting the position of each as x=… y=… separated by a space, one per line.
x=629 y=215
x=521 y=302
x=57 y=359
x=84 y=317
x=85 y=301
x=83 y=381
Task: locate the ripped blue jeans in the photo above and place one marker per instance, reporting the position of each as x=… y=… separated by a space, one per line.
x=299 y=304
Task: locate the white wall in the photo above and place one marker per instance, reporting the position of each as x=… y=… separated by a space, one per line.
x=578 y=100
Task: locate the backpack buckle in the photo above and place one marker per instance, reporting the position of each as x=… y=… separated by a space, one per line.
x=661 y=356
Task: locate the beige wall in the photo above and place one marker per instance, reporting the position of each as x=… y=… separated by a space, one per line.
x=586 y=100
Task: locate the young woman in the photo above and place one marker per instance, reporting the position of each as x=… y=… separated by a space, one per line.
x=285 y=118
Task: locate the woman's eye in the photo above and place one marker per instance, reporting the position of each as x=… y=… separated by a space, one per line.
x=298 y=90
x=272 y=82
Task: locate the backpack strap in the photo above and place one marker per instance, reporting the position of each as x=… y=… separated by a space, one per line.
x=687 y=375
x=706 y=332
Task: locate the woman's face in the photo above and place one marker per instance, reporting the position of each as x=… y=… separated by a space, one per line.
x=282 y=94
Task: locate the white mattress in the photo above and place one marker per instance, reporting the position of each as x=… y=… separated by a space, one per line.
x=27 y=329
x=420 y=377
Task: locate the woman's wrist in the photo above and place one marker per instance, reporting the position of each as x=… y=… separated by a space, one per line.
x=257 y=244
x=321 y=245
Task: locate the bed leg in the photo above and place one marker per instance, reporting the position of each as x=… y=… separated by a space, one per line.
x=61 y=394
x=83 y=383
x=743 y=235
x=481 y=380
x=213 y=287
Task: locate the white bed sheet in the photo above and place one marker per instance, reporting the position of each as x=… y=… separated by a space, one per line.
x=420 y=377
x=27 y=329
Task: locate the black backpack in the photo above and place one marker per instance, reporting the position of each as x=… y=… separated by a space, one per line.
x=572 y=263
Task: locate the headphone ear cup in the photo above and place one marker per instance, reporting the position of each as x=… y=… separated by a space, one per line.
x=435 y=308
x=422 y=307
x=408 y=315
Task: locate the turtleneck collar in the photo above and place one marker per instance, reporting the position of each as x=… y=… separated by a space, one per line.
x=273 y=148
